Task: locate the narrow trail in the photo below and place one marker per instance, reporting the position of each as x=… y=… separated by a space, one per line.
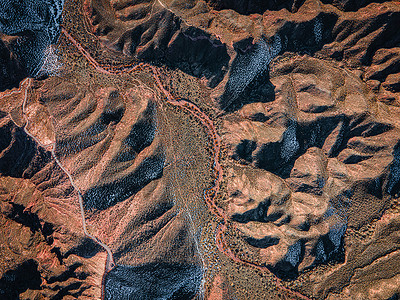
x=25 y=85
x=110 y=264
x=210 y=194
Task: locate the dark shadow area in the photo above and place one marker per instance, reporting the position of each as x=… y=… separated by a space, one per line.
x=14 y=282
x=197 y=53
x=263 y=243
x=153 y=281
x=258 y=214
x=308 y=37
x=87 y=249
x=286 y=269
x=325 y=253
x=68 y=291
x=33 y=25
x=351 y=5
x=245 y=150
x=260 y=89
x=249 y=76
x=12 y=72
x=70 y=273
x=392 y=185
x=18 y=153
x=29 y=50
x=249 y=80
x=246 y=7
x=271 y=155
x=20 y=215
x=394 y=297
x=174 y=44
x=105 y=196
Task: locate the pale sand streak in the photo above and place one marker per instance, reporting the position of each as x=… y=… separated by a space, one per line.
x=218 y=212
x=110 y=260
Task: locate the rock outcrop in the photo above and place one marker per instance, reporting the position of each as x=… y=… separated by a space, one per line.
x=105 y=171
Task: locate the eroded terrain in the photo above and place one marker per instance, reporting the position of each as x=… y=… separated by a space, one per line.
x=199 y=149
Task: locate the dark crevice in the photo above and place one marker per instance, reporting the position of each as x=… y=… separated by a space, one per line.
x=351 y=5
x=86 y=249
x=70 y=273
x=247 y=7
x=14 y=282
x=153 y=281
x=107 y=195
x=262 y=243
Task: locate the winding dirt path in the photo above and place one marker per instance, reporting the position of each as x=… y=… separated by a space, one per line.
x=210 y=194
x=24 y=87
x=110 y=260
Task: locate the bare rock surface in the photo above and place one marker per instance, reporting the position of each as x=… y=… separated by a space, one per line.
x=316 y=162
x=207 y=149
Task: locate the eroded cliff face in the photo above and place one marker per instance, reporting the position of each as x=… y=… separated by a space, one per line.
x=324 y=153
x=91 y=160
x=45 y=253
x=216 y=149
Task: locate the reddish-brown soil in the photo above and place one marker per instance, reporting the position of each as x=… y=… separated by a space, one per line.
x=201 y=149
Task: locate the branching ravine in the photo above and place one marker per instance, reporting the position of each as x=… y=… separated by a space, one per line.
x=210 y=194
x=51 y=147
